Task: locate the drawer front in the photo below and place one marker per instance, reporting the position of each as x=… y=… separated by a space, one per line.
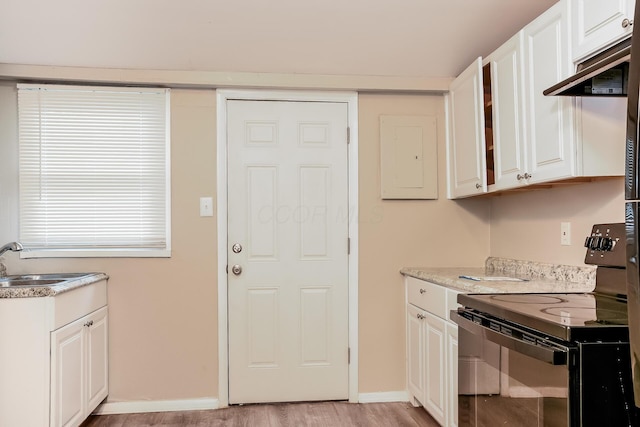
x=427 y=296
x=79 y=302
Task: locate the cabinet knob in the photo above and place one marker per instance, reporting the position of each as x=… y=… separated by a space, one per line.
x=478 y=186
x=89 y=323
x=527 y=175
x=519 y=177
x=422 y=291
x=420 y=316
x=626 y=23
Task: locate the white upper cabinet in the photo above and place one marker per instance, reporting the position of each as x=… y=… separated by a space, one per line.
x=550 y=126
x=597 y=24
x=506 y=131
x=466 y=164
x=503 y=133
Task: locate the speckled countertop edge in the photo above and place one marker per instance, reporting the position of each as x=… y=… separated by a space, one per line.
x=539 y=277
x=52 y=290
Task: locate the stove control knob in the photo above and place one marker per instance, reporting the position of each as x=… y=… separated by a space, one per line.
x=606 y=244
x=595 y=243
x=587 y=242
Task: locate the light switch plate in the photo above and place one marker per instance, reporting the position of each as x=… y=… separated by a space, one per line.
x=565 y=233
x=206 y=206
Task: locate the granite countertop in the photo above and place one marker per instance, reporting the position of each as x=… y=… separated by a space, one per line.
x=539 y=277
x=51 y=290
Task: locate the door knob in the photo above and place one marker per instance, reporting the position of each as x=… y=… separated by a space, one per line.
x=236 y=248
x=236 y=269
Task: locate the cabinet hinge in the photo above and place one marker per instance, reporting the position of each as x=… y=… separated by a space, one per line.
x=227 y=268
x=349 y=356
x=348 y=135
x=348 y=245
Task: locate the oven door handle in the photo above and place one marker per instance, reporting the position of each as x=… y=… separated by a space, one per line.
x=555 y=355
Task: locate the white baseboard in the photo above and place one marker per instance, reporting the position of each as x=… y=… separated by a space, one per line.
x=133 y=407
x=384 y=396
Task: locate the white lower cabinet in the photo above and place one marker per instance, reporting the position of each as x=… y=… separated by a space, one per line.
x=415 y=353
x=54 y=358
x=431 y=340
x=434 y=361
x=452 y=373
x=78 y=368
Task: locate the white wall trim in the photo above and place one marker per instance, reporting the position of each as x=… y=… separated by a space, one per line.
x=142 y=406
x=135 y=407
x=384 y=396
x=351 y=98
x=223 y=79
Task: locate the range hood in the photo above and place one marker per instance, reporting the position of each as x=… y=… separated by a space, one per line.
x=605 y=74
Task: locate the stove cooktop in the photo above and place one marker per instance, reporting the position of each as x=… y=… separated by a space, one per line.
x=568 y=317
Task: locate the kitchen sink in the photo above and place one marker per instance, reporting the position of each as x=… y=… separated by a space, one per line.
x=31 y=280
x=4 y=283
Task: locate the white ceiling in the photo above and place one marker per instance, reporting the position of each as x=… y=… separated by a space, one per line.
x=421 y=38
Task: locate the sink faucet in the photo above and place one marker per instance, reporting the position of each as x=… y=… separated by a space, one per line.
x=13 y=246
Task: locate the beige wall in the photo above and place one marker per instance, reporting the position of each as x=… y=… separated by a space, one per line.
x=399 y=233
x=163 y=312
x=526 y=225
x=163 y=317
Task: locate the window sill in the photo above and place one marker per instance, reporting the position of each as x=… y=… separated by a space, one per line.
x=95 y=253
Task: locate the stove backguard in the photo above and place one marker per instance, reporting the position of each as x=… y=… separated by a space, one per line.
x=606 y=249
x=605 y=245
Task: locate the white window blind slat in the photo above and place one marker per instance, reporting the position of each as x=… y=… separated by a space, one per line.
x=94 y=168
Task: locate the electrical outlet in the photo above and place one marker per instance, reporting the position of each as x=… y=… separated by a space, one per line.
x=565 y=233
x=206 y=206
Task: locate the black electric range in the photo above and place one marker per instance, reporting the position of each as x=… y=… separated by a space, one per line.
x=567 y=317
x=560 y=359
x=591 y=316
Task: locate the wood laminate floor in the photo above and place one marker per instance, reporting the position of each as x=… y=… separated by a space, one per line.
x=279 y=415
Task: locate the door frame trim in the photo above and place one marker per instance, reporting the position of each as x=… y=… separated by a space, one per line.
x=222 y=96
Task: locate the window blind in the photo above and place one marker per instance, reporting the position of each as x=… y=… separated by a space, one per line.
x=94 y=167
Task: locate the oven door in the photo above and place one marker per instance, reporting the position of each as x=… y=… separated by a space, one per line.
x=507 y=376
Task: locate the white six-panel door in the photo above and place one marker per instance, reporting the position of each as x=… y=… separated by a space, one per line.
x=288 y=213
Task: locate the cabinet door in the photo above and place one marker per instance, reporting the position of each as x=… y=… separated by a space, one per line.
x=466 y=143
x=97 y=358
x=508 y=114
x=79 y=374
x=67 y=375
x=550 y=131
x=434 y=350
x=415 y=355
x=597 y=24
x=452 y=374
